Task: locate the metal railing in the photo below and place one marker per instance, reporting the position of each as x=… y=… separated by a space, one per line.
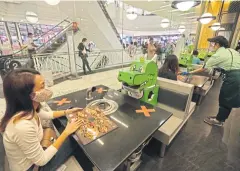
x=53 y=39
x=64 y=23
x=60 y=66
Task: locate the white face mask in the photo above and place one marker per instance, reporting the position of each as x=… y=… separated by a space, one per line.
x=42 y=95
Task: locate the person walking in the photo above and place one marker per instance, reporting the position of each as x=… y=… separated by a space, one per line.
x=228 y=60
x=83 y=55
x=151 y=49
x=131 y=49
x=31 y=50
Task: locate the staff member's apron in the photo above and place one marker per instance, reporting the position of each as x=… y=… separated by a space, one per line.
x=230 y=90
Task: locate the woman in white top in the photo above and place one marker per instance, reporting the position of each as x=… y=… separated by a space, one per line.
x=24 y=89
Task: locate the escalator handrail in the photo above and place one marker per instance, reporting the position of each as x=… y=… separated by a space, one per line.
x=66 y=28
x=66 y=19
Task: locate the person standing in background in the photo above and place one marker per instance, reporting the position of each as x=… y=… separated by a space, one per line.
x=144 y=48
x=195 y=59
x=131 y=50
x=159 y=53
x=31 y=50
x=151 y=49
x=83 y=55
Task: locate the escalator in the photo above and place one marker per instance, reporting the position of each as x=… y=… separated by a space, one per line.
x=48 y=43
x=103 y=7
x=53 y=43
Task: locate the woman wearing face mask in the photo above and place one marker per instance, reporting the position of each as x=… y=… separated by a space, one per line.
x=228 y=60
x=24 y=89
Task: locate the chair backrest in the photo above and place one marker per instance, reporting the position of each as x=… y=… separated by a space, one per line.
x=175 y=96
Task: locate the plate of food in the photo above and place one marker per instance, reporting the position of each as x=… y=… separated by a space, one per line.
x=94 y=124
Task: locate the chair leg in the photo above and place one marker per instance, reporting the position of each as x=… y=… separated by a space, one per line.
x=162 y=150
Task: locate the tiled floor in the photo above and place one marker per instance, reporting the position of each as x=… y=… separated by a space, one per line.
x=198 y=147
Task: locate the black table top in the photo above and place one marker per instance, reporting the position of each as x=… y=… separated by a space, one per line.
x=110 y=150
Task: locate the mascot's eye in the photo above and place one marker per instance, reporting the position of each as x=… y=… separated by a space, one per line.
x=141 y=70
x=133 y=68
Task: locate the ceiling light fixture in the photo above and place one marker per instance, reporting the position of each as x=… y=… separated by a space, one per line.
x=206 y=18
x=52 y=2
x=215 y=26
x=31 y=17
x=181 y=29
x=131 y=14
x=165 y=23
x=185 y=5
x=221 y=29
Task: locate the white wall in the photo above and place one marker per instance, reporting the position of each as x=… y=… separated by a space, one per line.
x=96 y=27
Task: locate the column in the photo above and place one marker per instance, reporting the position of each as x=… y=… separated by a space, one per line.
x=71 y=52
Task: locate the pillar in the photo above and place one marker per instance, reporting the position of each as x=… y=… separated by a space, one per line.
x=71 y=52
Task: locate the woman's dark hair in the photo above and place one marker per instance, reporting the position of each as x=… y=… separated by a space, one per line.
x=195 y=52
x=171 y=63
x=17 y=88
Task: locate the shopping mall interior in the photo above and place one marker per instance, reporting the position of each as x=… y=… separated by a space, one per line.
x=125 y=85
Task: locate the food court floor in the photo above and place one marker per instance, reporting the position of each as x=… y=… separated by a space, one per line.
x=198 y=147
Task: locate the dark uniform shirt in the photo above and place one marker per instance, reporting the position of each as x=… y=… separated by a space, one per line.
x=168 y=75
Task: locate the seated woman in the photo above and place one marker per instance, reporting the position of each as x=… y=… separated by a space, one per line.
x=195 y=59
x=170 y=68
x=24 y=89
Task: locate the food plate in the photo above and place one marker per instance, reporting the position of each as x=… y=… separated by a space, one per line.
x=94 y=124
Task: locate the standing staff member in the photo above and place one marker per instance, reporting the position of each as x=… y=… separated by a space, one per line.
x=229 y=61
x=83 y=54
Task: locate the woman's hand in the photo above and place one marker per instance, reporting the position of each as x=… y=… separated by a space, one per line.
x=181 y=78
x=73 y=110
x=72 y=126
